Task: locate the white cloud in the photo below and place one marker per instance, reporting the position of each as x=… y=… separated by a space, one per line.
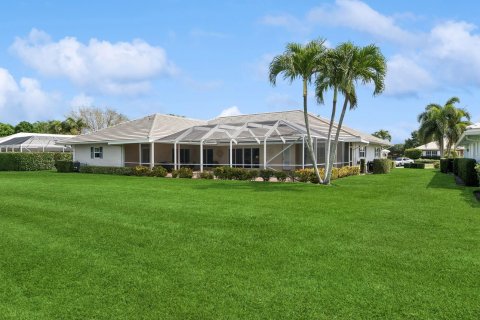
x=359 y=16
x=231 y=111
x=406 y=77
x=286 y=21
x=24 y=99
x=113 y=68
x=81 y=100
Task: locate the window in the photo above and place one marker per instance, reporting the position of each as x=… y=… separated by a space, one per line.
x=208 y=156
x=246 y=157
x=430 y=153
x=362 y=152
x=377 y=152
x=96 y=152
x=184 y=156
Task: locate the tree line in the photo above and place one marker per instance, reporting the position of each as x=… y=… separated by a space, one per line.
x=83 y=120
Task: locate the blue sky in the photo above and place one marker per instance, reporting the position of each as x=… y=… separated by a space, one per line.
x=202 y=58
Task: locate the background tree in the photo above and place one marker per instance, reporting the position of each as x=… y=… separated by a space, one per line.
x=41 y=127
x=24 y=126
x=397 y=150
x=359 y=65
x=382 y=134
x=94 y=119
x=300 y=62
x=413 y=141
x=6 y=129
x=441 y=123
x=72 y=126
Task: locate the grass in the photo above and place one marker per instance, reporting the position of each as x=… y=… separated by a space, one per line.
x=398 y=246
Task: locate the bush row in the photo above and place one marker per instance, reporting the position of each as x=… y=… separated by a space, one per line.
x=22 y=161
x=414 y=165
x=308 y=175
x=466 y=171
x=64 y=165
x=446 y=165
x=125 y=171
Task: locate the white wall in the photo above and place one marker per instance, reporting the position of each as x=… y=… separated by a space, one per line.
x=370 y=153
x=112 y=155
x=472 y=150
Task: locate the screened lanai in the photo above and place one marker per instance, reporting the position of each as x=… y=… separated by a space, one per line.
x=33 y=142
x=264 y=144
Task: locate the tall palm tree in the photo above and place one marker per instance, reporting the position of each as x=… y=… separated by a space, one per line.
x=383 y=134
x=443 y=124
x=357 y=65
x=300 y=62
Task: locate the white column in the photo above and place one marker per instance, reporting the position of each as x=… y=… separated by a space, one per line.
x=152 y=155
x=265 y=153
x=201 y=156
x=21 y=148
x=231 y=153
x=303 y=152
x=139 y=154
x=175 y=156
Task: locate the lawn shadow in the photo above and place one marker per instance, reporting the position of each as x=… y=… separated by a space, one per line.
x=447 y=181
x=256 y=186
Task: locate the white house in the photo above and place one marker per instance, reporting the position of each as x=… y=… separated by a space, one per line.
x=470 y=140
x=274 y=140
x=432 y=149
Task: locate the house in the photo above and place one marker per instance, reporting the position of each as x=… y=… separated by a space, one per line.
x=34 y=142
x=470 y=140
x=274 y=140
x=432 y=149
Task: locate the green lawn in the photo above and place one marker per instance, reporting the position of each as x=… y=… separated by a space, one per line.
x=404 y=245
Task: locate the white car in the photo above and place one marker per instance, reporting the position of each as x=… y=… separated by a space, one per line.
x=399 y=162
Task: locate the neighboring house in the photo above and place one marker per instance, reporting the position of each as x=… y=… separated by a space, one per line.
x=265 y=140
x=34 y=142
x=470 y=140
x=432 y=149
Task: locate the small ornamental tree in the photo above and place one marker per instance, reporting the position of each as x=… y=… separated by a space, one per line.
x=413 y=153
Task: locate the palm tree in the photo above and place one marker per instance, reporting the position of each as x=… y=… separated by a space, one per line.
x=443 y=124
x=300 y=62
x=355 y=65
x=73 y=126
x=383 y=134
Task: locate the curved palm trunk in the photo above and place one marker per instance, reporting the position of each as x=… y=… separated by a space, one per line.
x=333 y=154
x=307 y=127
x=329 y=136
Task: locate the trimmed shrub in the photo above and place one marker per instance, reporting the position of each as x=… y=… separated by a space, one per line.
x=141 y=171
x=382 y=166
x=281 y=176
x=467 y=172
x=414 y=165
x=304 y=175
x=252 y=174
x=477 y=168
x=455 y=166
x=206 y=175
x=308 y=175
x=159 y=171
x=64 y=165
x=18 y=161
x=266 y=174
x=124 y=171
x=363 y=168
x=444 y=165
x=413 y=153
x=183 y=172
x=431 y=157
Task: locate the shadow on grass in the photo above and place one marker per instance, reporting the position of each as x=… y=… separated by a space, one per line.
x=256 y=186
x=447 y=181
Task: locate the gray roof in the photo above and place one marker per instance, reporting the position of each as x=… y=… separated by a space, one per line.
x=317 y=124
x=147 y=129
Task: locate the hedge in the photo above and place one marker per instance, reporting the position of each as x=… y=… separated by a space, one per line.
x=64 y=165
x=227 y=173
x=455 y=166
x=308 y=175
x=183 y=172
x=382 y=166
x=125 y=171
x=34 y=161
x=467 y=172
x=414 y=165
x=413 y=153
x=477 y=167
